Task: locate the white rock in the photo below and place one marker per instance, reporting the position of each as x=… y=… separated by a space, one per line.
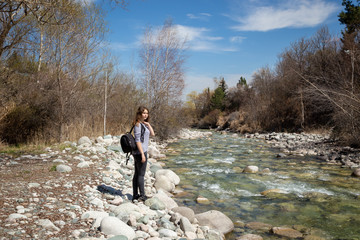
x=47 y=224
x=168 y=201
x=63 y=168
x=15 y=216
x=83 y=164
x=163 y=182
x=251 y=169
x=167 y=233
x=215 y=220
x=114 y=226
x=169 y=174
x=84 y=140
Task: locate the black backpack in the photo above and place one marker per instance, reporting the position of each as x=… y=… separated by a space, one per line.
x=128 y=145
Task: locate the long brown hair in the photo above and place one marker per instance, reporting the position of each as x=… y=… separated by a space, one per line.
x=139 y=112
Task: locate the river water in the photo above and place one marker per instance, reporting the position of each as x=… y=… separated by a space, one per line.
x=316 y=198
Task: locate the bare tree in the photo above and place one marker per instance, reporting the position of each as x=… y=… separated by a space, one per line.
x=162 y=64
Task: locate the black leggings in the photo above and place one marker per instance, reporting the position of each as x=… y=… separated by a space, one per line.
x=139 y=175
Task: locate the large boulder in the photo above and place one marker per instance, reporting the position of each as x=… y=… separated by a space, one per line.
x=84 y=140
x=186 y=212
x=154 y=152
x=215 y=220
x=168 y=201
x=114 y=226
x=169 y=174
x=163 y=182
x=127 y=208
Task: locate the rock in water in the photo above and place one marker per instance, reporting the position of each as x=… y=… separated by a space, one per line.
x=215 y=220
x=251 y=169
x=356 y=173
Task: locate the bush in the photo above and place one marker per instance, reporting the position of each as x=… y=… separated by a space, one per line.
x=210 y=120
x=21 y=124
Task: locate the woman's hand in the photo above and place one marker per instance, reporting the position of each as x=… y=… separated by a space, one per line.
x=147 y=124
x=143 y=158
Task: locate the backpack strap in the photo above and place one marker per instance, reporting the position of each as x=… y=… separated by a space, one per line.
x=127 y=157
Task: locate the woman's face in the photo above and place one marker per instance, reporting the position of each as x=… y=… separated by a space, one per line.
x=144 y=115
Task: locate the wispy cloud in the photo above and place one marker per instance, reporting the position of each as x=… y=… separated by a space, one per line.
x=200 y=16
x=199 y=39
x=237 y=39
x=287 y=14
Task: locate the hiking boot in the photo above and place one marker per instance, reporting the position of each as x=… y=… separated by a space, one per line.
x=136 y=197
x=143 y=198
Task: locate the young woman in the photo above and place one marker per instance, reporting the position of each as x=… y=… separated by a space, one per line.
x=142 y=132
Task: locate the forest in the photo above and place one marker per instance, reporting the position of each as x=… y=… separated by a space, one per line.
x=58 y=82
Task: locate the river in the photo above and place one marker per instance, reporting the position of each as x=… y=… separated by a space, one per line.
x=316 y=198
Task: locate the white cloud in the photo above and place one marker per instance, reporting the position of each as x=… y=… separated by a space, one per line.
x=295 y=13
x=200 y=16
x=237 y=39
x=200 y=40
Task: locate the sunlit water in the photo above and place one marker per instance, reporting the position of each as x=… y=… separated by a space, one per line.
x=320 y=199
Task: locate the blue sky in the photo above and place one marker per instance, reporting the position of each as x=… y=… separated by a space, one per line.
x=227 y=38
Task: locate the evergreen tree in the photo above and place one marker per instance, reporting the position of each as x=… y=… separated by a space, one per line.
x=350 y=16
x=217 y=100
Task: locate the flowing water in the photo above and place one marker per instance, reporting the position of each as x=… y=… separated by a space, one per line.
x=319 y=199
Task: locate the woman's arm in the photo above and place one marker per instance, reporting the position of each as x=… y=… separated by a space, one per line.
x=139 y=146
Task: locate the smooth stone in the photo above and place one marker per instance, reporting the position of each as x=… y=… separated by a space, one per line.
x=215 y=220
x=118 y=237
x=84 y=140
x=83 y=165
x=168 y=201
x=167 y=233
x=202 y=200
x=186 y=212
x=33 y=185
x=258 y=226
x=186 y=225
x=15 y=216
x=169 y=174
x=63 y=168
x=155 y=203
x=286 y=232
x=266 y=192
x=250 y=237
x=163 y=182
x=114 y=226
x=126 y=208
x=47 y=224
x=251 y=169
x=356 y=173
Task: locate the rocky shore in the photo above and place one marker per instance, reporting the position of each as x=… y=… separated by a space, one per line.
x=318 y=145
x=83 y=190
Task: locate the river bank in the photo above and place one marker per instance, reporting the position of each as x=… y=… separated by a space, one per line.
x=83 y=190
x=319 y=145
x=70 y=191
